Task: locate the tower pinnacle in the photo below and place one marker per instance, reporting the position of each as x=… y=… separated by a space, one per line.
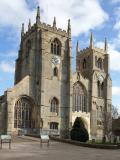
x=77 y=47
x=54 y=22
x=91 y=40
x=22 y=30
x=106 y=45
x=29 y=25
x=38 y=15
x=69 y=27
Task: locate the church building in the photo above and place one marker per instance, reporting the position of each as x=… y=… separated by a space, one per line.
x=47 y=95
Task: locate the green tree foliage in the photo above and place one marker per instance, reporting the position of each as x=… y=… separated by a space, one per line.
x=79 y=132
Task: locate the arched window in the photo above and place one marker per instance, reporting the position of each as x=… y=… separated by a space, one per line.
x=28 y=47
x=55 y=71
x=98 y=84
x=56 y=47
x=96 y=61
x=54 y=105
x=22 y=113
x=84 y=64
x=54 y=125
x=100 y=63
x=52 y=48
x=79 y=98
x=100 y=89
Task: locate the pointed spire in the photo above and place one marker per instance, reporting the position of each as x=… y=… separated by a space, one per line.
x=106 y=45
x=22 y=30
x=54 y=22
x=69 y=27
x=91 y=40
x=29 y=25
x=38 y=15
x=77 y=47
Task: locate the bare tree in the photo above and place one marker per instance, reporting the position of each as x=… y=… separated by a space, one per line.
x=107 y=125
x=104 y=120
x=115 y=112
x=107 y=117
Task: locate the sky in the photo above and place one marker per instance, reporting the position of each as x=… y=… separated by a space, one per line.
x=102 y=17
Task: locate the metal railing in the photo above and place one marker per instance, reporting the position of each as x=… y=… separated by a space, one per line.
x=53 y=132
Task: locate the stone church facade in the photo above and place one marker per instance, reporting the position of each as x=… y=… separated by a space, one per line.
x=47 y=96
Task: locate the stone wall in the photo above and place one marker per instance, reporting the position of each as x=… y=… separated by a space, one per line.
x=3 y=114
x=13 y=94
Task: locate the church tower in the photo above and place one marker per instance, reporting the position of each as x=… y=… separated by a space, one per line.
x=93 y=64
x=45 y=56
x=46 y=96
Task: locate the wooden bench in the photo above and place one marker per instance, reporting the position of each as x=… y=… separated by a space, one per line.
x=44 y=139
x=5 y=139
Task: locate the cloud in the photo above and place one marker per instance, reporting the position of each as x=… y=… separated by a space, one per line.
x=84 y=14
x=7 y=67
x=10 y=54
x=114 y=55
x=114 y=45
x=117 y=18
x=115 y=1
x=13 y=14
x=114 y=59
x=99 y=44
x=115 y=91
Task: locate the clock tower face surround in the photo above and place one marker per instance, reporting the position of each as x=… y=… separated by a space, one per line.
x=100 y=78
x=55 y=60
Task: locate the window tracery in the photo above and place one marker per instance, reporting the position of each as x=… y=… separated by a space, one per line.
x=54 y=125
x=54 y=105
x=100 y=87
x=99 y=63
x=79 y=98
x=22 y=114
x=56 y=47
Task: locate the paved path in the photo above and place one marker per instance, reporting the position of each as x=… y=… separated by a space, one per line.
x=29 y=149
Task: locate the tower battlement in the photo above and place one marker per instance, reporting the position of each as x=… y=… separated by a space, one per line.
x=88 y=49
x=46 y=27
x=92 y=48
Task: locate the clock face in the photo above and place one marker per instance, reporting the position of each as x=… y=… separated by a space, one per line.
x=55 y=60
x=100 y=78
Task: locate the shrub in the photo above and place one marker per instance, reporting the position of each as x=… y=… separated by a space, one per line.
x=79 y=132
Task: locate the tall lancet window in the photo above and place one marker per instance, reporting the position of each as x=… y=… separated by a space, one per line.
x=100 y=63
x=100 y=89
x=54 y=105
x=55 y=72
